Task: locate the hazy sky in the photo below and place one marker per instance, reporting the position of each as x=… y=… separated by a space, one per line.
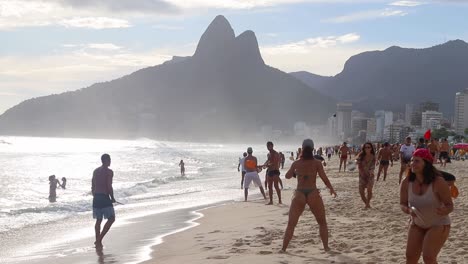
x=51 y=46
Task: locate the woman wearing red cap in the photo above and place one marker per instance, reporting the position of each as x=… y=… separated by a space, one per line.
x=425 y=196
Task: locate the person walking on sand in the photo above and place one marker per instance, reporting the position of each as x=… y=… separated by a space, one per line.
x=406 y=153
x=241 y=168
x=425 y=196
x=252 y=169
x=182 y=168
x=306 y=170
x=53 y=184
x=283 y=159
x=444 y=152
x=103 y=198
x=329 y=153
x=384 y=159
x=433 y=147
x=366 y=164
x=273 y=172
x=344 y=151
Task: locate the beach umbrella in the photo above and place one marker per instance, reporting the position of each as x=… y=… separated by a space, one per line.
x=463 y=146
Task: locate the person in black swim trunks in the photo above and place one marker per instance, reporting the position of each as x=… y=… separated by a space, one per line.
x=306 y=169
x=384 y=159
x=273 y=165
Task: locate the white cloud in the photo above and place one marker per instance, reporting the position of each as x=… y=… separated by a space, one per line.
x=320 y=55
x=407 y=3
x=95 y=22
x=104 y=46
x=305 y=46
x=366 y=15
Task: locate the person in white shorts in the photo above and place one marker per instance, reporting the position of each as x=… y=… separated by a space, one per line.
x=252 y=169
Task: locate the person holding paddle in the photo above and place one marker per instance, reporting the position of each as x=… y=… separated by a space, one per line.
x=103 y=198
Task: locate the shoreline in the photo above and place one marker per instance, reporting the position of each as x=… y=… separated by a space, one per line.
x=242 y=232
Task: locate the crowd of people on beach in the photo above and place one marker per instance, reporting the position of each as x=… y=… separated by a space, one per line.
x=425 y=192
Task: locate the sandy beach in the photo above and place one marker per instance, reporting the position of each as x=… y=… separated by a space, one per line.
x=252 y=232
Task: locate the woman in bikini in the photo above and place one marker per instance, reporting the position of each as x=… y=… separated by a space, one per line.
x=425 y=196
x=366 y=164
x=306 y=170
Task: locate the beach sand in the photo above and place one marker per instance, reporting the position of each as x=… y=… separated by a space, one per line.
x=252 y=232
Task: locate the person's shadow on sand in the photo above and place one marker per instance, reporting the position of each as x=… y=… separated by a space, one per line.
x=103 y=258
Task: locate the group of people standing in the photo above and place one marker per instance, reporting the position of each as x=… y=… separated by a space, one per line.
x=425 y=192
x=54 y=183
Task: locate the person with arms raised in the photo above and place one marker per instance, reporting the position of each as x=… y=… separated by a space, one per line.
x=306 y=170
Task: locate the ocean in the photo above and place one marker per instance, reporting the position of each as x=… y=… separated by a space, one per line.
x=147 y=181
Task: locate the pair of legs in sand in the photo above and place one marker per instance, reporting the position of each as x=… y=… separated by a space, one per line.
x=315 y=203
x=366 y=188
x=429 y=242
x=101 y=234
x=343 y=161
x=273 y=179
x=384 y=164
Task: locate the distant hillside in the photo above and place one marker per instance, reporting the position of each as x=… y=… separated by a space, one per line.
x=391 y=78
x=224 y=91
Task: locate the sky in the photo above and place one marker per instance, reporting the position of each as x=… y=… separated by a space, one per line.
x=53 y=46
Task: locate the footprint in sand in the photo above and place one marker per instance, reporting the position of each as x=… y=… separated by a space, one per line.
x=214 y=232
x=265 y=252
x=218 y=257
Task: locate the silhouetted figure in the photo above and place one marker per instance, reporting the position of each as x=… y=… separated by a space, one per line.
x=53 y=182
x=103 y=198
x=182 y=167
x=64 y=183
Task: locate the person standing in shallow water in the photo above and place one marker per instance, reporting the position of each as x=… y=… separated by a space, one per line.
x=53 y=183
x=366 y=164
x=306 y=170
x=103 y=198
x=182 y=168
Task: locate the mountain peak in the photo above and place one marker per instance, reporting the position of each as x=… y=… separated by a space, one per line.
x=217 y=37
x=247 y=43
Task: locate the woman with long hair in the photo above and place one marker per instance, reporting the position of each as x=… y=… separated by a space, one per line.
x=366 y=164
x=306 y=170
x=425 y=196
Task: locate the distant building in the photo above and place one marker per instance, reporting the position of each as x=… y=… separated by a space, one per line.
x=388 y=118
x=409 y=109
x=343 y=116
x=428 y=106
x=416 y=116
x=371 y=129
x=379 y=124
x=461 y=112
x=431 y=119
x=358 y=124
x=396 y=132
